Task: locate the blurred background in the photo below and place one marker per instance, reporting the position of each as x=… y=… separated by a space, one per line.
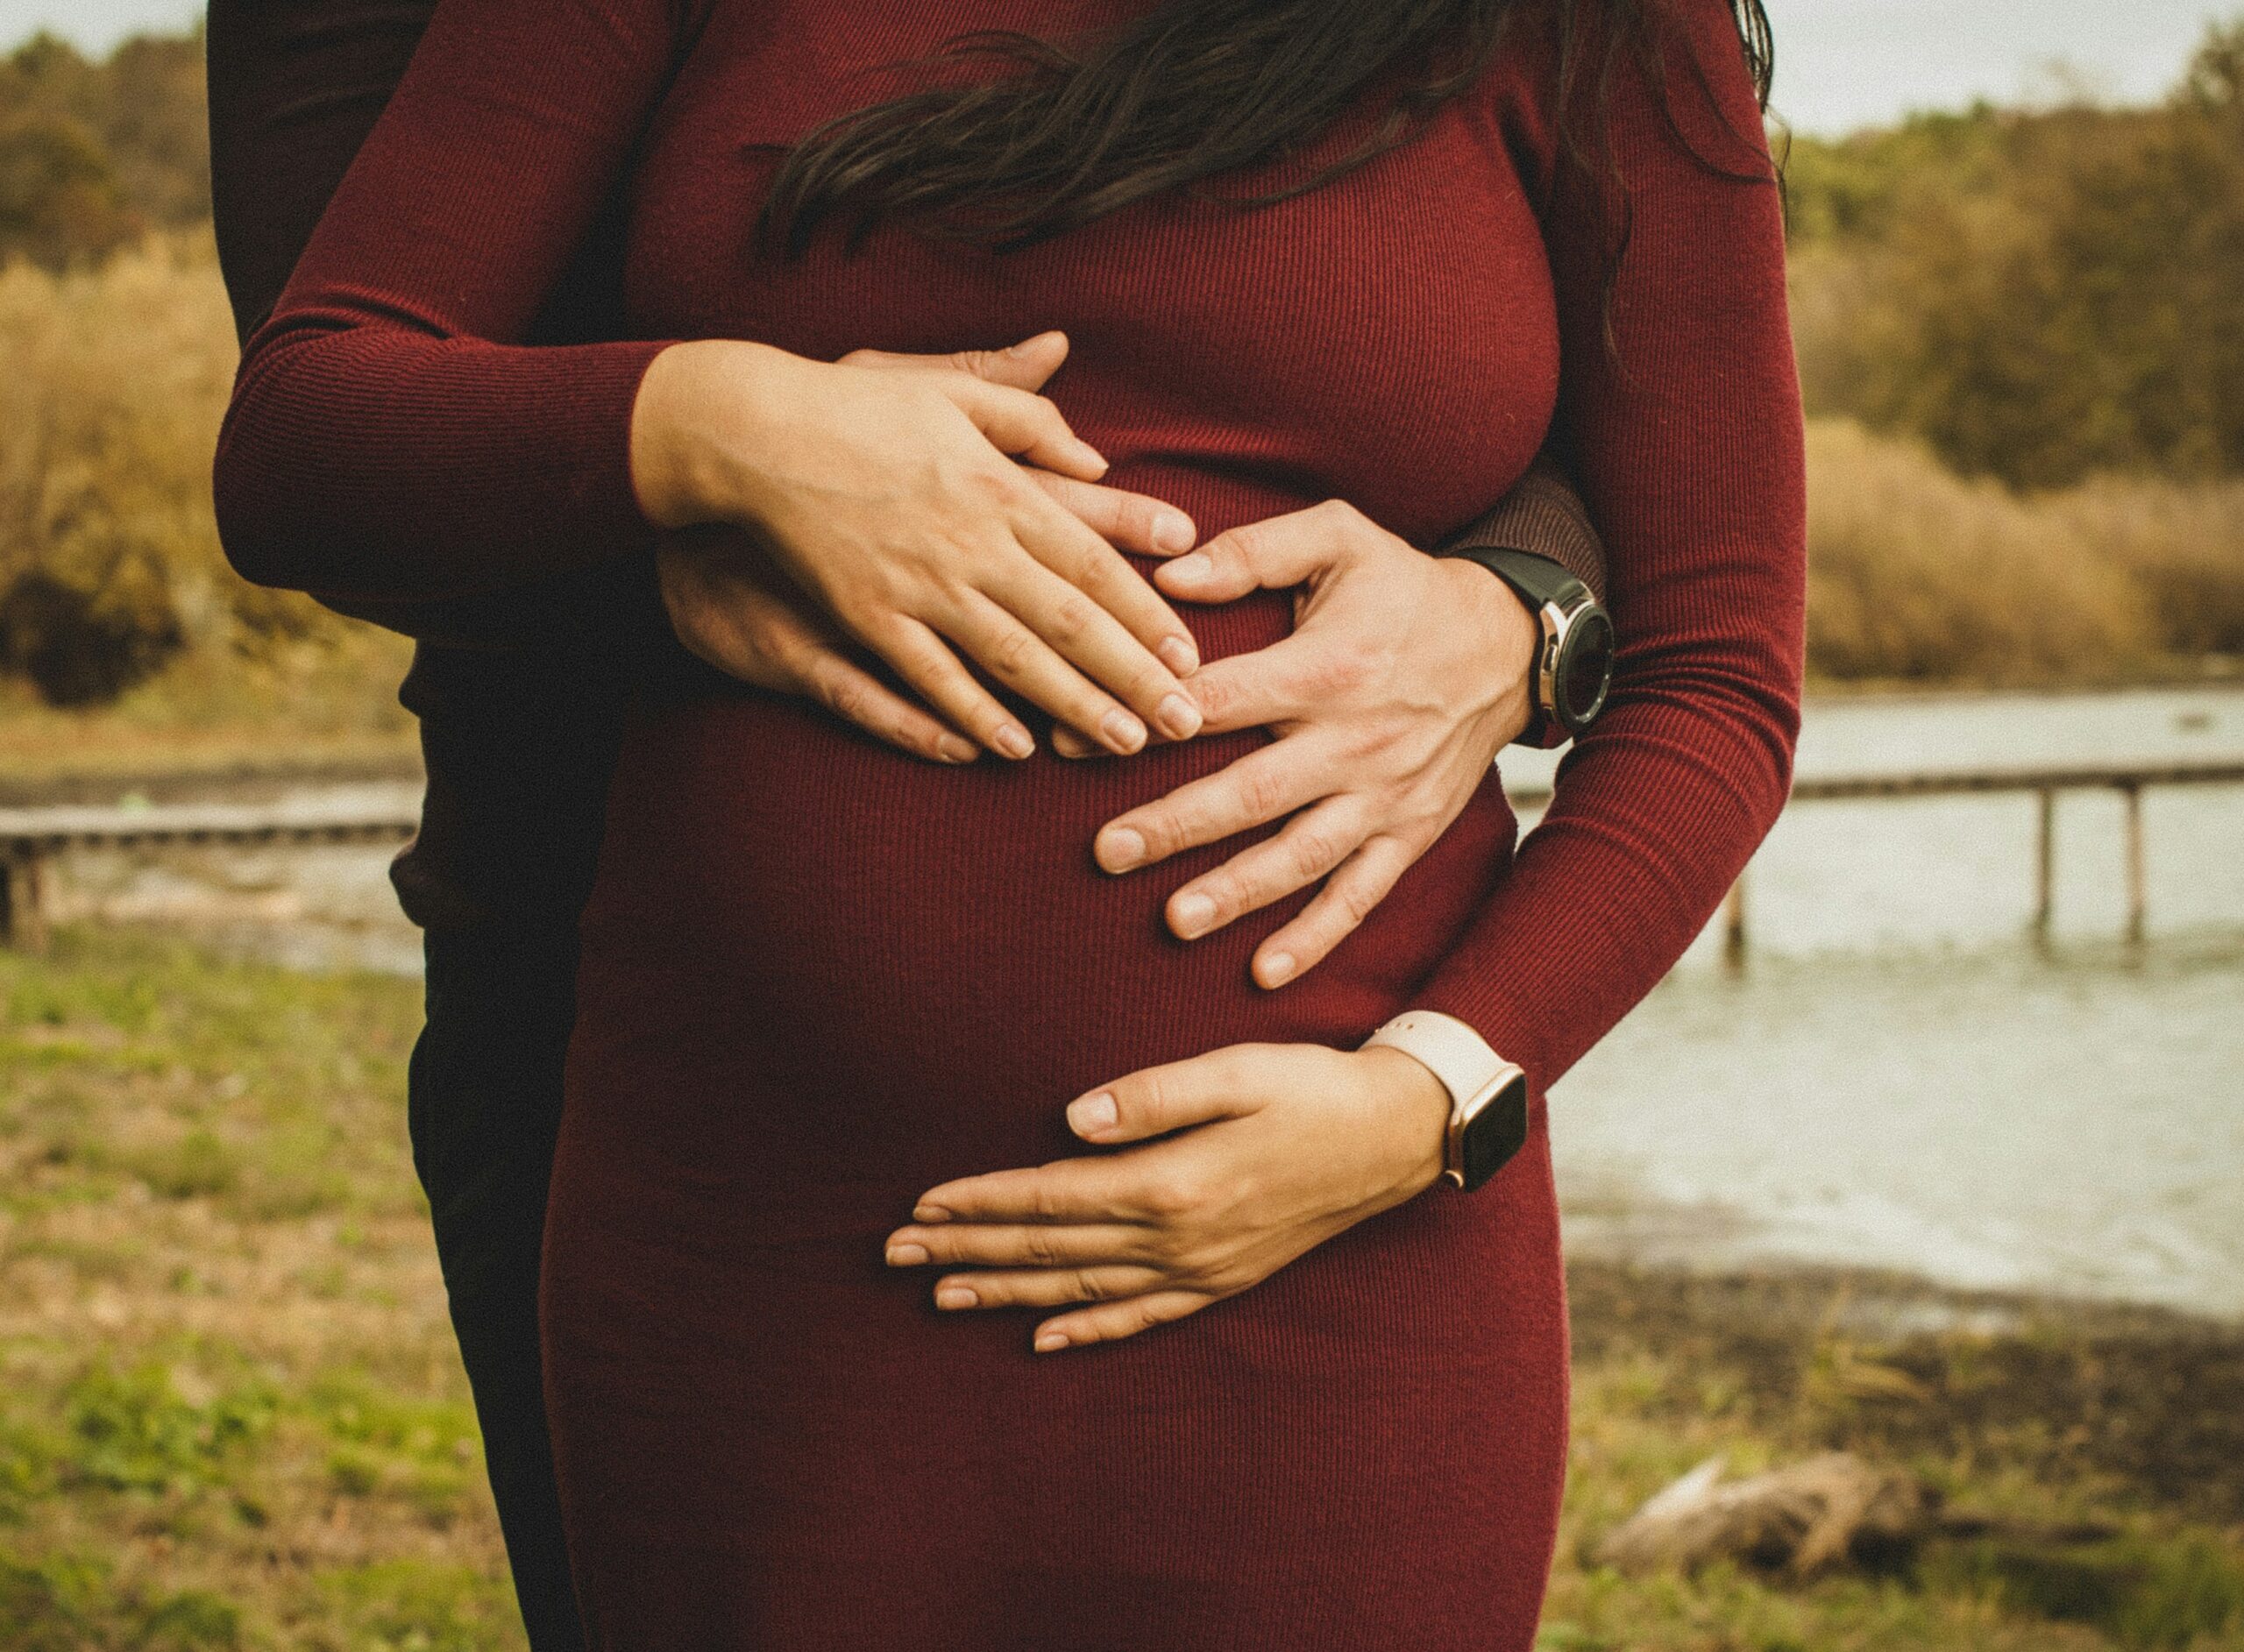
x=1932 y=1152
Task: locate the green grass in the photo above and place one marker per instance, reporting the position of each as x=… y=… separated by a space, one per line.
x=231 y=1415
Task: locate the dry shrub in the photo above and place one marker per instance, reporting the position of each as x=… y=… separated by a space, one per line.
x=2183 y=545
x=1918 y=574
x=109 y=563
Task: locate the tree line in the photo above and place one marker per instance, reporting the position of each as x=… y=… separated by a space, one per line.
x=94 y=154
x=2040 y=297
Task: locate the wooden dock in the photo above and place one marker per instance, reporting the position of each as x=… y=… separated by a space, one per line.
x=31 y=839
x=2130 y=780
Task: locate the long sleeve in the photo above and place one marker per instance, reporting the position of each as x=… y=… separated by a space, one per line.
x=1688 y=448
x=391 y=438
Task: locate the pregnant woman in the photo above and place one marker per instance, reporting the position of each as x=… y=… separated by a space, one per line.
x=1205 y=1359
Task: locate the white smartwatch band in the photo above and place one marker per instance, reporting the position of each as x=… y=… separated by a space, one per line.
x=1473 y=1074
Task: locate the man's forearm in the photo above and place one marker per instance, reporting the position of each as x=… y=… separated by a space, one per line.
x=1543 y=514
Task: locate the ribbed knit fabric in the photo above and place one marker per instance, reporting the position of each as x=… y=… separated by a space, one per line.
x=819 y=977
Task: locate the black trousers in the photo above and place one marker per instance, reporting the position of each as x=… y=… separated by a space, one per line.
x=518 y=748
x=484 y=1105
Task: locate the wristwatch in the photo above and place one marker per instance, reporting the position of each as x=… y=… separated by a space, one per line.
x=1488 y=1094
x=1573 y=668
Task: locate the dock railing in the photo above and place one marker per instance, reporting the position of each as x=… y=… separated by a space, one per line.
x=2130 y=780
x=31 y=839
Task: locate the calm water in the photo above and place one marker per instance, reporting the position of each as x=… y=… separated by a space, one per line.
x=1899 y=1079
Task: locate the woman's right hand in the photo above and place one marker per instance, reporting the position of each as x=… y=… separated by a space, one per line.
x=891 y=495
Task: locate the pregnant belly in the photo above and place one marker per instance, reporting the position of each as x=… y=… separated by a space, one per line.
x=812 y=961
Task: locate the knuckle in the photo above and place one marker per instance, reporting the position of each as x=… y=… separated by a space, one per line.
x=1073 y=618
x=1011 y=651
x=1314 y=852
x=1086 y=1286
x=844 y=695
x=1258 y=791
x=1186 y=1194
x=1344 y=669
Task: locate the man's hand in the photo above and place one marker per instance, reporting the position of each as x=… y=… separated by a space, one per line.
x=1249 y=1157
x=732 y=608
x=1405 y=676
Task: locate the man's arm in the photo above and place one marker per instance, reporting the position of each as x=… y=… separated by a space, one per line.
x=1543 y=514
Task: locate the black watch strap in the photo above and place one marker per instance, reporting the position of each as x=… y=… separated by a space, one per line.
x=1538 y=579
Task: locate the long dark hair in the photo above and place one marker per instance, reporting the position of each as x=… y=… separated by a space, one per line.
x=1173 y=100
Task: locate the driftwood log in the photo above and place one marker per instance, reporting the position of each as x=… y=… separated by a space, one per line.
x=1800 y=1519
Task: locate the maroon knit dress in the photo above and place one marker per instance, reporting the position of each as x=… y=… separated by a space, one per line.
x=820 y=978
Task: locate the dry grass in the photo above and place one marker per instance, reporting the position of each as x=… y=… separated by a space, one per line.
x=1916 y=574
x=117 y=380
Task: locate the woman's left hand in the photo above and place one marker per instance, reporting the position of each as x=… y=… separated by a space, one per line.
x=1404 y=677
x=1247 y=1158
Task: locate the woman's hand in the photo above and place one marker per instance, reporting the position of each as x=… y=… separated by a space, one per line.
x=890 y=495
x=732 y=608
x=1277 y=1148
x=1405 y=676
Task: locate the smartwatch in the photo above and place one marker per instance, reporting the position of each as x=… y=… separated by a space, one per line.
x=1488 y=1094
x=1573 y=667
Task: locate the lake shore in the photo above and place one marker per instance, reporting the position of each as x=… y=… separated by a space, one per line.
x=230 y=1411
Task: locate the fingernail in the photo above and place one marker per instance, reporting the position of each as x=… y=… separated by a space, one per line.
x=1277 y=969
x=956 y=750
x=1050 y=1342
x=1123 y=731
x=1093 y=1115
x=906 y=1255
x=1179 y=654
x=929 y=1213
x=1027 y=345
x=1120 y=848
x=1192 y=569
x=1172 y=532
x=1179 y=717
x=955 y=1296
x=1014 y=740
x=1192 y=913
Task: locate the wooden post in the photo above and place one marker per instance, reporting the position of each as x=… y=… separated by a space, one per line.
x=2138 y=894
x=1733 y=921
x=23 y=901
x=2045 y=866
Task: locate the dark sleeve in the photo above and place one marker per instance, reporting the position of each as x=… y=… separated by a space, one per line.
x=295 y=85
x=1687 y=443
x=1543 y=514
x=453 y=459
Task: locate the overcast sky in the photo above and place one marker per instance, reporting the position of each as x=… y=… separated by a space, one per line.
x=1840 y=63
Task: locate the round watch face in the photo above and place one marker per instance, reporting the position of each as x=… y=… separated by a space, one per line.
x=1584 y=670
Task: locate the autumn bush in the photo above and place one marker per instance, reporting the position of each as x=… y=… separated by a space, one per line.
x=110 y=563
x=1918 y=574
